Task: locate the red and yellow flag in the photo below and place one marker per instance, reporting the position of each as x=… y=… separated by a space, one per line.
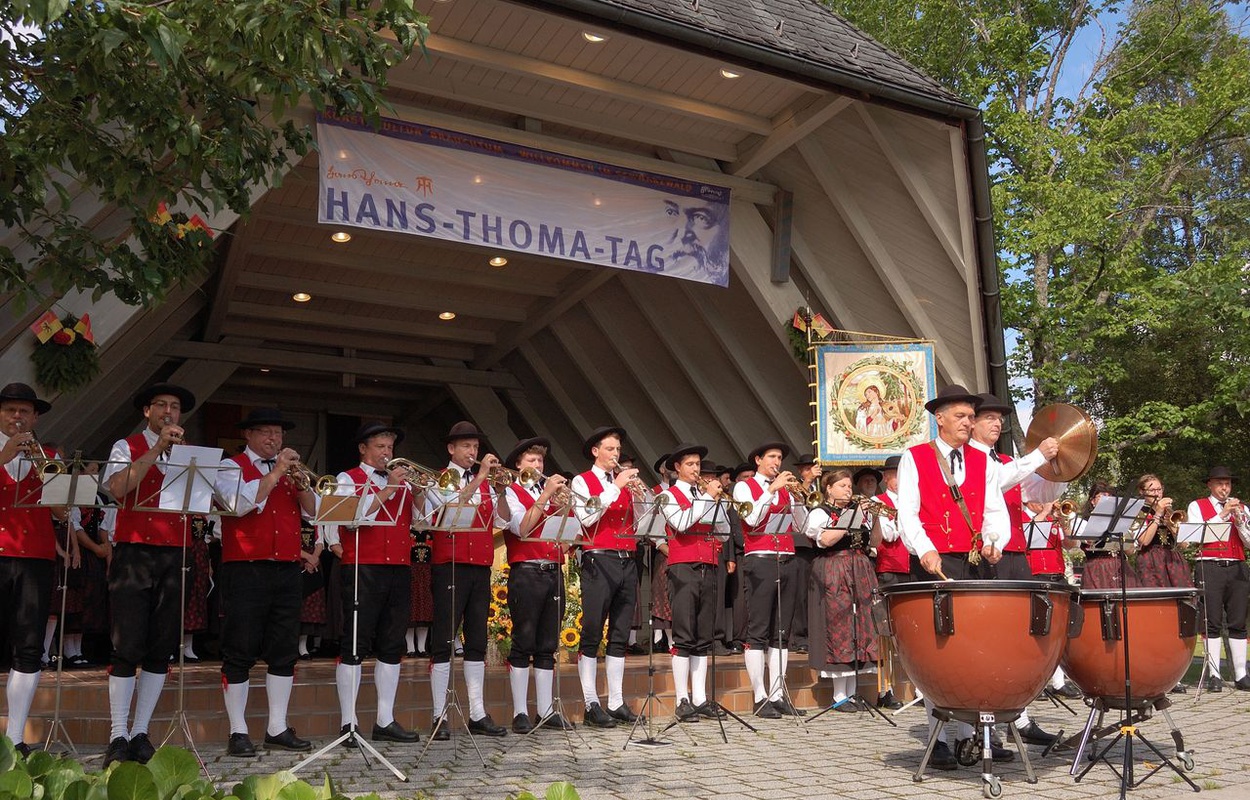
x=46 y=326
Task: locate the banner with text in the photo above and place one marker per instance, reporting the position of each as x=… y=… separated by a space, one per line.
x=438 y=183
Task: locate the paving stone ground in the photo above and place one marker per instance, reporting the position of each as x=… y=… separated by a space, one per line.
x=839 y=755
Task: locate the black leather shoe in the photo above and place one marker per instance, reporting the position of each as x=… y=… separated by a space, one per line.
x=709 y=711
x=141 y=748
x=1179 y=688
x=845 y=706
x=287 y=740
x=240 y=746
x=596 y=717
x=1032 y=734
x=783 y=707
x=1070 y=690
x=118 y=750
x=351 y=740
x=888 y=700
x=1001 y=753
x=623 y=714
x=636 y=649
x=686 y=712
x=942 y=758
x=764 y=710
x=1242 y=683
x=443 y=734
x=1214 y=684
x=558 y=723
x=486 y=727
x=394 y=733
x=23 y=749
x=521 y=724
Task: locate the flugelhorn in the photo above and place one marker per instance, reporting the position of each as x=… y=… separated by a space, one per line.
x=872 y=505
x=39 y=459
x=741 y=507
x=812 y=499
x=305 y=479
x=420 y=476
x=1066 y=508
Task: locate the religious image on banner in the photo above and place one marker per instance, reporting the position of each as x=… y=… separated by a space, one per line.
x=870 y=400
x=425 y=181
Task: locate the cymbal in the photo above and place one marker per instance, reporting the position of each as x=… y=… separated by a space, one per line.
x=1078 y=440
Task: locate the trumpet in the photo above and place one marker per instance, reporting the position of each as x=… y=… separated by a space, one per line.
x=169 y=420
x=1240 y=516
x=635 y=486
x=423 y=477
x=741 y=507
x=39 y=459
x=499 y=477
x=305 y=479
x=1066 y=508
x=871 y=505
x=810 y=499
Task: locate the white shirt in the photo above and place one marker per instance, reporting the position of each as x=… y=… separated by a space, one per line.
x=580 y=490
x=20 y=466
x=108 y=523
x=817 y=520
x=995 y=522
x=1194 y=514
x=889 y=527
x=759 y=508
x=119 y=458
x=231 y=486
x=513 y=524
x=702 y=509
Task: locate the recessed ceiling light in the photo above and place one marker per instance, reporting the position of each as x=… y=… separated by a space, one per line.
x=301 y=297
x=728 y=73
x=340 y=237
x=594 y=38
x=498 y=261
x=477 y=179
x=264 y=369
x=598 y=202
x=447 y=316
x=343 y=155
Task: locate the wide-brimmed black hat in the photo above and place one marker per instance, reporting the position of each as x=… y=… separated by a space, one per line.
x=259 y=417
x=862 y=471
x=1220 y=473
x=741 y=468
x=463 y=430
x=598 y=435
x=765 y=447
x=145 y=397
x=891 y=462
x=20 y=391
x=682 y=450
x=661 y=463
x=806 y=460
x=525 y=444
x=709 y=468
x=952 y=394
x=370 y=429
x=990 y=402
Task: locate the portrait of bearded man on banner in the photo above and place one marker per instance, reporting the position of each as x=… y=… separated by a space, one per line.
x=698 y=245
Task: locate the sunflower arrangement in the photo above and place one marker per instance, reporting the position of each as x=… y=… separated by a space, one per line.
x=499 y=617
x=571 y=625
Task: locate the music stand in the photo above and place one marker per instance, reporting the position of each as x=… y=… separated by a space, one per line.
x=452 y=519
x=778 y=526
x=853 y=522
x=1202 y=533
x=563 y=529
x=1119 y=518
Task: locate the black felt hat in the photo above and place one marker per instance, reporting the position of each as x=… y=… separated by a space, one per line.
x=598 y=435
x=806 y=460
x=952 y=394
x=20 y=391
x=525 y=444
x=259 y=417
x=862 y=471
x=765 y=447
x=463 y=430
x=145 y=397
x=370 y=429
x=741 y=468
x=892 y=462
x=682 y=450
x=660 y=464
x=1220 y=473
x=991 y=402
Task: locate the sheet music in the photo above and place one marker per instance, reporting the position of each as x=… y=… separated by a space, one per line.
x=187 y=489
x=1203 y=532
x=455 y=517
x=653 y=526
x=57 y=490
x=557 y=528
x=1037 y=535
x=1114 y=514
x=780 y=524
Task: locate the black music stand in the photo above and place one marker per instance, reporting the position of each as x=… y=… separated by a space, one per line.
x=1119 y=518
x=776 y=528
x=348 y=510
x=721 y=530
x=452 y=519
x=563 y=529
x=650 y=529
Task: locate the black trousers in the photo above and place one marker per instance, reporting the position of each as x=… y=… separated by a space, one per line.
x=769 y=616
x=145 y=592
x=384 y=604
x=803 y=556
x=692 y=596
x=25 y=593
x=1225 y=589
x=892 y=578
x=536 y=603
x=609 y=594
x=470 y=607
x=262 y=601
x=1011 y=567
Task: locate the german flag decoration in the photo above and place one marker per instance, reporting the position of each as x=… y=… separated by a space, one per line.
x=66 y=357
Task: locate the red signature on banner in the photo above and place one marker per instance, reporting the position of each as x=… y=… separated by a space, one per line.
x=365 y=176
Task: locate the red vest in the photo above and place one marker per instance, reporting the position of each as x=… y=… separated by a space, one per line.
x=612 y=531
x=269 y=535
x=474 y=546
x=530 y=549
x=1232 y=548
x=139 y=526
x=695 y=545
x=25 y=532
x=1015 y=510
x=939 y=513
x=754 y=538
x=380 y=544
x=892 y=556
x=1050 y=560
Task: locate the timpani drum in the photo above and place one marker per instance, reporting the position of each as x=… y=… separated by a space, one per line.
x=1162 y=631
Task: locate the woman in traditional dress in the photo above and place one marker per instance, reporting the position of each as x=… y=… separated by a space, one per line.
x=1160 y=563
x=842 y=636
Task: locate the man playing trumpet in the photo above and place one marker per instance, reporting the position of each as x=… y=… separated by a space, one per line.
x=262 y=591
x=1222 y=573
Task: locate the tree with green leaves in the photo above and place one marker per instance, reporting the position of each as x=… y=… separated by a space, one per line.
x=1121 y=198
x=125 y=105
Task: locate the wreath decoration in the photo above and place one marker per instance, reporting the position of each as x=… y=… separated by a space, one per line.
x=65 y=357
x=900 y=381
